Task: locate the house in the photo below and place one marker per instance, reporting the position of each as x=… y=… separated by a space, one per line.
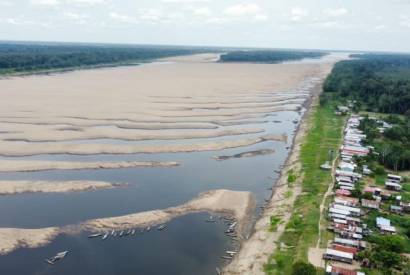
x=393 y=178
x=394 y=186
x=343 y=109
x=353 y=211
x=349 y=242
x=370 y=204
x=336 y=270
x=335 y=255
x=406 y=206
x=342 y=192
x=346 y=166
x=384 y=225
x=396 y=209
x=346 y=201
x=347 y=249
x=366 y=170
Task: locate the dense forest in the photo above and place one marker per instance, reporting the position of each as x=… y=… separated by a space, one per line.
x=378 y=82
x=24 y=57
x=268 y=56
x=393 y=145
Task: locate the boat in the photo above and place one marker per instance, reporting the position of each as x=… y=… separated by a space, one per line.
x=295 y=121
x=128 y=232
x=231 y=253
x=121 y=233
x=161 y=227
x=95 y=235
x=218 y=271
x=133 y=232
x=112 y=232
x=105 y=236
x=59 y=256
x=226 y=257
x=148 y=228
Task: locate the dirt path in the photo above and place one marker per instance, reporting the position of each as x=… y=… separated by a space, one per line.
x=322 y=204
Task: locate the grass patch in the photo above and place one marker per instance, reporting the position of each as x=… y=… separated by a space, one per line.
x=291 y=177
x=288 y=194
x=302 y=230
x=274 y=223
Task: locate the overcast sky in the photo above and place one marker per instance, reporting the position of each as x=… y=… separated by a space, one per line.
x=318 y=24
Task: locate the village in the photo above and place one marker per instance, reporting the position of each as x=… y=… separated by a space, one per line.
x=359 y=209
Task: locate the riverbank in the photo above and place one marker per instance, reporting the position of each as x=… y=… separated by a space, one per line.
x=288 y=202
x=302 y=231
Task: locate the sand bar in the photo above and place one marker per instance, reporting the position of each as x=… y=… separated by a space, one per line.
x=238 y=204
x=28 y=149
x=19 y=187
x=40 y=165
x=248 y=154
x=123 y=134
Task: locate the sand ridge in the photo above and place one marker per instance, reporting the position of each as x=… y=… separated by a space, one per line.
x=236 y=203
x=43 y=165
x=26 y=186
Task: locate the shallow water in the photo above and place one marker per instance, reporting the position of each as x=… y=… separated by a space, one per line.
x=188 y=246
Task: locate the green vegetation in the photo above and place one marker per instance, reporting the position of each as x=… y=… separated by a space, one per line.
x=393 y=145
x=302 y=229
x=379 y=83
x=302 y=268
x=268 y=56
x=291 y=177
x=274 y=222
x=24 y=57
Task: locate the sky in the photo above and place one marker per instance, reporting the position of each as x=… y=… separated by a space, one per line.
x=369 y=25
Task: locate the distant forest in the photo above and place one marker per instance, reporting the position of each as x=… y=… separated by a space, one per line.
x=268 y=56
x=22 y=57
x=379 y=83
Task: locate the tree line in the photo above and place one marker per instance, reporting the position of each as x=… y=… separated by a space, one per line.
x=268 y=56
x=378 y=82
x=22 y=57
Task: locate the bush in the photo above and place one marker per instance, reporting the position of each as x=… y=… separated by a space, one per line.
x=302 y=268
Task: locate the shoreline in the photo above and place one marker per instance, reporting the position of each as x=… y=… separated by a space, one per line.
x=255 y=251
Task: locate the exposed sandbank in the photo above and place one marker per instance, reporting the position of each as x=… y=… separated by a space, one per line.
x=246 y=154
x=123 y=134
x=40 y=165
x=239 y=204
x=19 y=187
x=28 y=149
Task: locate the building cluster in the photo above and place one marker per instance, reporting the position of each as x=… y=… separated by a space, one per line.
x=345 y=212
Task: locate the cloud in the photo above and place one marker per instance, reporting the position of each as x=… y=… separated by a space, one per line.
x=44 y=2
x=86 y=2
x=22 y=21
x=380 y=27
x=204 y=11
x=6 y=3
x=335 y=12
x=298 y=14
x=185 y=1
x=122 y=18
x=260 y=17
x=405 y=21
x=242 y=9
